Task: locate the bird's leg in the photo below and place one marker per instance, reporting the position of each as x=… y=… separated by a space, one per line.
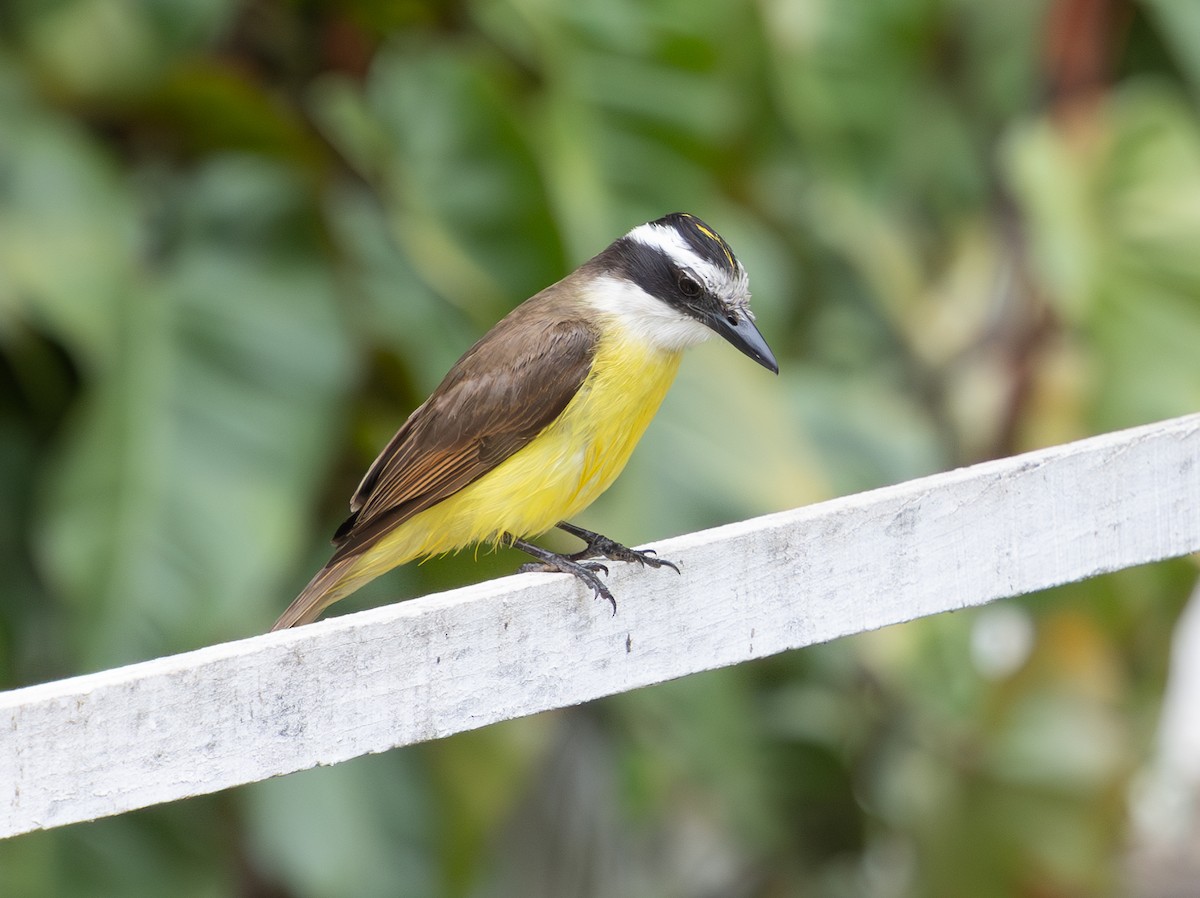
x=603 y=547
x=550 y=562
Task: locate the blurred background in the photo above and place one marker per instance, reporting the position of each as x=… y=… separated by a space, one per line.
x=240 y=241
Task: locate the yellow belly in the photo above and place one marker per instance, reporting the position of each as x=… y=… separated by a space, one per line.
x=557 y=475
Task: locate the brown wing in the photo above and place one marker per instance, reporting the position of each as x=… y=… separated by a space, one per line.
x=494 y=401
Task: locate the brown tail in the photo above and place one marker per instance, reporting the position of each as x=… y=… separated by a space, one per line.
x=332 y=582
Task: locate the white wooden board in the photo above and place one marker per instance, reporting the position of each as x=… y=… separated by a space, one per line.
x=229 y=714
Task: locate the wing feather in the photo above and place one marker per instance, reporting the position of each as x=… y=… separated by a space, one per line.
x=493 y=402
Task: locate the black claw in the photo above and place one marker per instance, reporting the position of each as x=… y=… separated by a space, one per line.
x=578 y=563
x=549 y=562
x=612 y=550
x=603 y=592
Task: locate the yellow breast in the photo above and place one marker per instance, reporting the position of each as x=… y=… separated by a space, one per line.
x=561 y=471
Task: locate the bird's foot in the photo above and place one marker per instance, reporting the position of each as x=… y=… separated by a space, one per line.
x=550 y=562
x=603 y=547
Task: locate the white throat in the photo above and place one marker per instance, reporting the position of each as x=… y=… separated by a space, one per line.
x=649 y=320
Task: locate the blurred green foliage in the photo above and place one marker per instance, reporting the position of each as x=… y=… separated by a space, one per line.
x=240 y=241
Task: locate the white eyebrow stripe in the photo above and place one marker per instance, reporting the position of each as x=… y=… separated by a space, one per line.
x=732 y=287
x=672 y=243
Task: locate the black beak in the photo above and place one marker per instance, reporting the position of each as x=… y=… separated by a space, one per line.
x=740 y=331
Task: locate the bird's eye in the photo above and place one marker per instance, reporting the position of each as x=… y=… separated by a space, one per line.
x=688 y=285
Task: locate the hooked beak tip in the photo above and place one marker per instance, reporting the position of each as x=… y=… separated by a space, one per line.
x=745 y=336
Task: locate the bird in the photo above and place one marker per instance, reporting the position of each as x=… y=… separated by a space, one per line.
x=539 y=417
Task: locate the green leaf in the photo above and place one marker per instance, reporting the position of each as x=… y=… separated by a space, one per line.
x=67 y=229
x=180 y=498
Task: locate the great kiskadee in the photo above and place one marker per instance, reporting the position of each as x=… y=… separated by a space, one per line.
x=540 y=416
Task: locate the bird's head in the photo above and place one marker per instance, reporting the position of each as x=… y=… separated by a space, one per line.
x=675 y=282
